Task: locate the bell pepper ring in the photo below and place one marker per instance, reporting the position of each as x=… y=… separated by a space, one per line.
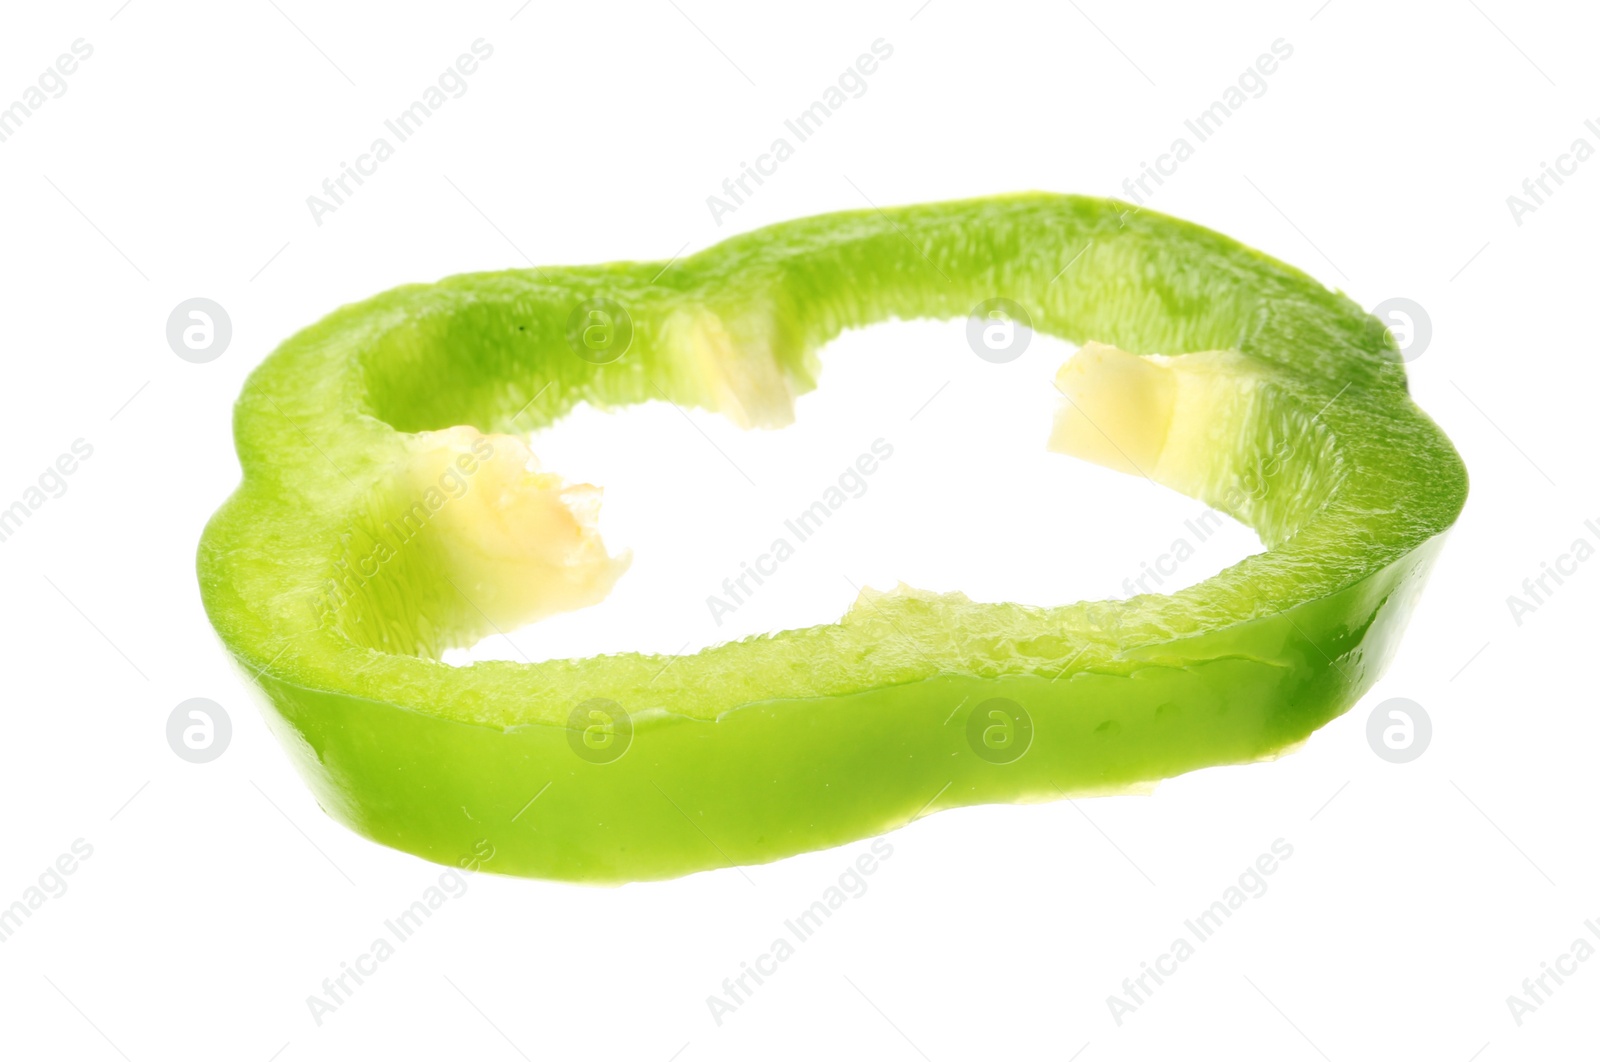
x=390 y=510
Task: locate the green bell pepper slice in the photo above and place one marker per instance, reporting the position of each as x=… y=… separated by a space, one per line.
x=345 y=564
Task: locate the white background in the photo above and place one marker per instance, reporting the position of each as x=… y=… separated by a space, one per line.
x=218 y=897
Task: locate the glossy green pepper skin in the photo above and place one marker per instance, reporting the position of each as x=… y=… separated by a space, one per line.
x=760 y=749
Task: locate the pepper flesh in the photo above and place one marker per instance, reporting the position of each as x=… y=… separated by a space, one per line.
x=1276 y=401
